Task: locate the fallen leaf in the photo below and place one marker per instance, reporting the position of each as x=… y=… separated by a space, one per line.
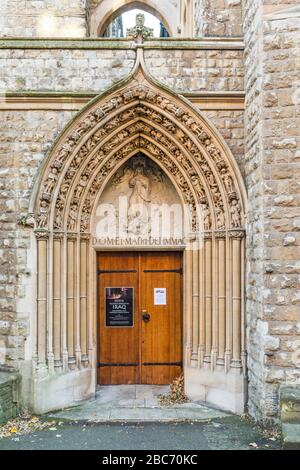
x=253 y=444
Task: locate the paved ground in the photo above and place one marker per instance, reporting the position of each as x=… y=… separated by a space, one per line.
x=219 y=434
x=115 y=420
x=135 y=403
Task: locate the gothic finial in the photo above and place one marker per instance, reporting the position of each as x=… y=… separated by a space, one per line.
x=140 y=32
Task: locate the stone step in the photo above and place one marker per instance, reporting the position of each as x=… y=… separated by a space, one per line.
x=9 y=383
x=99 y=414
x=290 y=404
x=290 y=436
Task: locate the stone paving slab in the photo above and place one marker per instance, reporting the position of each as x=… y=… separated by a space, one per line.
x=137 y=415
x=135 y=404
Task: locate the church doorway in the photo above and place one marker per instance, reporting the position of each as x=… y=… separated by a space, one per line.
x=139 y=145
x=140 y=317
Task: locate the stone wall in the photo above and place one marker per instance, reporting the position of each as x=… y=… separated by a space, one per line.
x=231 y=126
x=25 y=138
x=198 y=70
x=79 y=70
x=272 y=172
x=43 y=18
x=9 y=385
x=218 y=18
x=78 y=18
x=70 y=70
x=255 y=238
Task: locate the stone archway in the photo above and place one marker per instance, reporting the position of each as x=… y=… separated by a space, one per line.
x=107 y=11
x=139 y=115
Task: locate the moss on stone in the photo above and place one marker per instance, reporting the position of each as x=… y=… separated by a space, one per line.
x=119 y=44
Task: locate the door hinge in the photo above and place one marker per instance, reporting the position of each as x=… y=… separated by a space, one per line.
x=116 y=271
x=177 y=271
x=162 y=364
x=102 y=364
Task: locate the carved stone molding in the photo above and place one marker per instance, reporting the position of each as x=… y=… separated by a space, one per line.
x=207 y=235
x=238 y=234
x=58 y=235
x=85 y=236
x=220 y=234
x=140 y=118
x=166 y=126
x=105 y=170
x=72 y=236
x=42 y=234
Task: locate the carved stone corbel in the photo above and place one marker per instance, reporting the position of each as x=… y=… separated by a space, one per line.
x=42 y=234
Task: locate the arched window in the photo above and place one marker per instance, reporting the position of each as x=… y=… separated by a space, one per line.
x=112 y=18
x=120 y=26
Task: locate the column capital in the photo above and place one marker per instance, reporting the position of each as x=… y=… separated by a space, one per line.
x=236 y=234
x=42 y=234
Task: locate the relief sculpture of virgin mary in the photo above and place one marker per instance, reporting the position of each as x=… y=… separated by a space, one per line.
x=138 y=216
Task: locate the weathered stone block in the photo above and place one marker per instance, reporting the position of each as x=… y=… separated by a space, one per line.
x=290 y=436
x=9 y=396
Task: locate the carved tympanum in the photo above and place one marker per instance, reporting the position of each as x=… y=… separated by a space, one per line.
x=171 y=133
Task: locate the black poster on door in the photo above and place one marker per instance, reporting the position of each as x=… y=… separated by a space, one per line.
x=119 y=306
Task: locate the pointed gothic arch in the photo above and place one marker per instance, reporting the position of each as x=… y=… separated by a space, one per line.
x=107 y=11
x=141 y=115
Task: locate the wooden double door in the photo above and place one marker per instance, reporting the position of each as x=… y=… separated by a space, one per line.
x=140 y=317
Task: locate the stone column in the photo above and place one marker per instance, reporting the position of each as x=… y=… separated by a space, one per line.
x=228 y=328
x=201 y=348
x=243 y=313
x=71 y=256
x=42 y=292
x=92 y=302
x=221 y=298
x=236 y=238
x=188 y=296
x=57 y=265
x=83 y=299
x=77 y=287
x=214 y=293
x=195 y=300
x=208 y=297
x=64 y=320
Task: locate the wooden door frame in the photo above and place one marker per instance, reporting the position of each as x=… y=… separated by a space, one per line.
x=97 y=326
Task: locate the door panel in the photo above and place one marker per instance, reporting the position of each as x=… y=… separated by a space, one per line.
x=161 y=336
x=118 y=345
x=150 y=352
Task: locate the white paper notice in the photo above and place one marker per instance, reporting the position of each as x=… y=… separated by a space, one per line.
x=160 y=296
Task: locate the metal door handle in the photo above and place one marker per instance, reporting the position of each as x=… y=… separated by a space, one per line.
x=146 y=316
